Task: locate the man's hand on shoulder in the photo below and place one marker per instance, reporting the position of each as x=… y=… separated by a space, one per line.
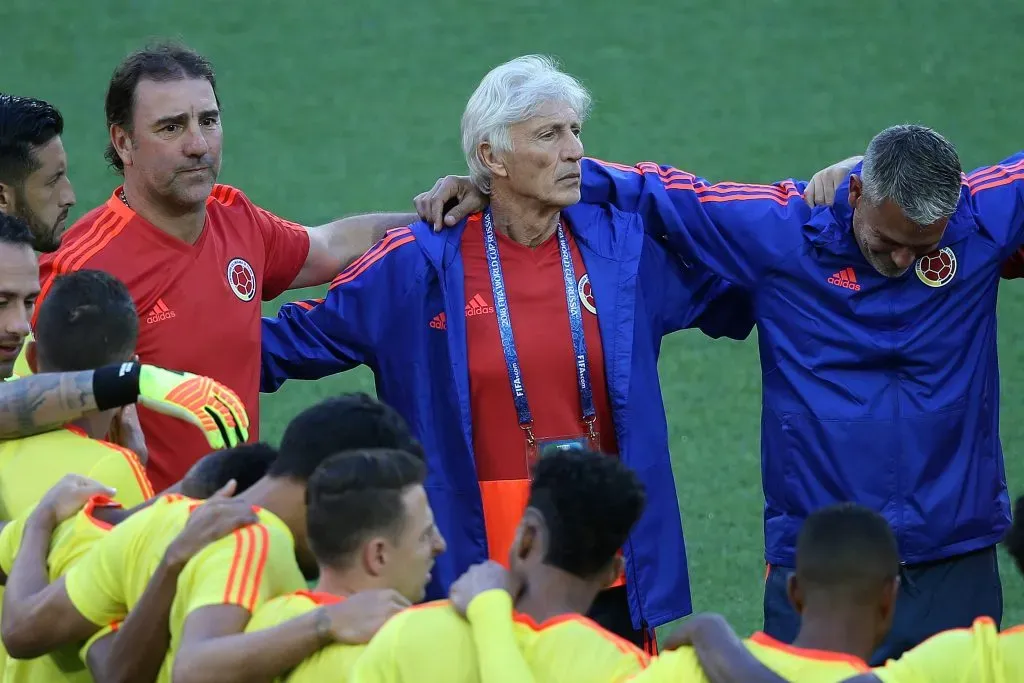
x=821 y=191
x=219 y=516
x=357 y=619
x=450 y=200
x=479 y=579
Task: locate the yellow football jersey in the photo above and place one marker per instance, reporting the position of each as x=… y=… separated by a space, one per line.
x=979 y=654
x=332 y=663
x=70 y=541
x=432 y=642
x=246 y=568
x=30 y=467
x=791 y=663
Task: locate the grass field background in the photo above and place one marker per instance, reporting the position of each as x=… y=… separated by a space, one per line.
x=335 y=108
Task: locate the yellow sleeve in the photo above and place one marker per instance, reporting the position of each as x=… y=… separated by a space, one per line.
x=96 y=583
x=10 y=541
x=121 y=470
x=948 y=656
x=379 y=662
x=497 y=650
x=668 y=667
x=231 y=570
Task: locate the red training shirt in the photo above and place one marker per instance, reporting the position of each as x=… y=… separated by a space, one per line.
x=198 y=304
x=540 y=324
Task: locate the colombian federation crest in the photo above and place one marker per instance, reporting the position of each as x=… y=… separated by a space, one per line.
x=936 y=269
x=586 y=294
x=241 y=279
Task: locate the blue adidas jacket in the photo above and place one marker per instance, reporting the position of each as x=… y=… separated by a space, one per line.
x=379 y=311
x=880 y=391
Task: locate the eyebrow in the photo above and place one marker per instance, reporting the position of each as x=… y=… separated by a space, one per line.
x=182 y=118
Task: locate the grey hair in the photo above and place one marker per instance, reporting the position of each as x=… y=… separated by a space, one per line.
x=917 y=169
x=509 y=94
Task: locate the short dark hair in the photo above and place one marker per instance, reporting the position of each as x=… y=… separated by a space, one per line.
x=1014 y=541
x=163 y=61
x=355 y=495
x=847 y=548
x=246 y=464
x=590 y=502
x=88 y=320
x=15 y=231
x=343 y=423
x=25 y=123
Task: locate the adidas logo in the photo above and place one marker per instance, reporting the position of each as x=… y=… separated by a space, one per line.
x=159 y=312
x=846 y=279
x=440 y=322
x=477 y=306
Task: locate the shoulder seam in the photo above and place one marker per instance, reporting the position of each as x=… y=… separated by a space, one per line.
x=393 y=239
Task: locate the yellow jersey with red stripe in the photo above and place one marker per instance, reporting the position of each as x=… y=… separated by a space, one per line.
x=979 y=654
x=30 y=467
x=432 y=643
x=71 y=540
x=332 y=663
x=789 y=662
x=246 y=568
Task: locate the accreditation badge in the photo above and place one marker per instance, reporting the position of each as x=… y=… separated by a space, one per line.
x=539 y=448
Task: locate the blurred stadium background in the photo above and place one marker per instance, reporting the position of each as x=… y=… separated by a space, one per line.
x=333 y=108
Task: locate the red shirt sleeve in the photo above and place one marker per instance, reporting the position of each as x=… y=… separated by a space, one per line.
x=287 y=246
x=1013 y=267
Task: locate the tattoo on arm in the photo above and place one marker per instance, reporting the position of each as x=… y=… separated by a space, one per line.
x=40 y=403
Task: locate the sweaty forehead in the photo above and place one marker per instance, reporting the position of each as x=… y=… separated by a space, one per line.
x=158 y=99
x=19 y=270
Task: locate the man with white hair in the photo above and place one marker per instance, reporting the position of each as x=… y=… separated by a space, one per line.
x=534 y=325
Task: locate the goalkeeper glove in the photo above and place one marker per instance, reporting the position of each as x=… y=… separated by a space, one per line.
x=204 y=402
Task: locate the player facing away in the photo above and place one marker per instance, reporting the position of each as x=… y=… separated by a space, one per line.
x=372 y=531
x=211 y=597
x=198 y=257
x=527 y=623
x=73 y=537
x=844 y=589
x=87 y=322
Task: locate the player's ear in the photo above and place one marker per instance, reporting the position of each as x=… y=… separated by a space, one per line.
x=890 y=593
x=122 y=143
x=31 y=355
x=856 y=190
x=375 y=556
x=795 y=593
x=615 y=570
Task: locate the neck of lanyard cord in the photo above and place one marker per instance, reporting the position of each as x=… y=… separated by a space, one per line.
x=508 y=343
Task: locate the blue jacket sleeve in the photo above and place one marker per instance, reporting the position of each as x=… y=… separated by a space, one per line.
x=736 y=230
x=694 y=297
x=997 y=200
x=320 y=337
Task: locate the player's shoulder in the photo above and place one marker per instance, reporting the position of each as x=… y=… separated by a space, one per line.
x=282 y=608
x=1006 y=173
x=89 y=238
x=680 y=664
x=398 y=253
x=582 y=628
x=791 y=662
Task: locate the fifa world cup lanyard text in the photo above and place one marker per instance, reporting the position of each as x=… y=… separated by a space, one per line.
x=508 y=343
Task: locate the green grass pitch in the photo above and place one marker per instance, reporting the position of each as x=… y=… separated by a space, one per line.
x=333 y=108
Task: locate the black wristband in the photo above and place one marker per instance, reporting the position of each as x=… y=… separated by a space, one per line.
x=116 y=385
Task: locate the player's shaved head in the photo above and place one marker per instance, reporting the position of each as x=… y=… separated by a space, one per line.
x=589 y=502
x=1014 y=541
x=246 y=464
x=341 y=423
x=846 y=550
x=87 y=320
x=161 y=62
